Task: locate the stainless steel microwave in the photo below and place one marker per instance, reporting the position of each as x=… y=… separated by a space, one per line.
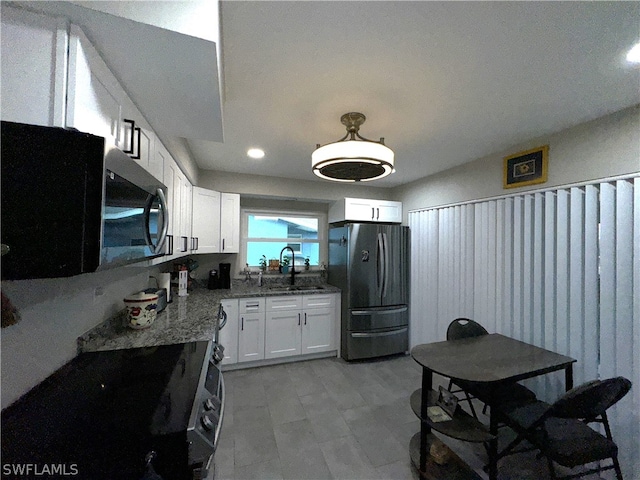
x=72 y=206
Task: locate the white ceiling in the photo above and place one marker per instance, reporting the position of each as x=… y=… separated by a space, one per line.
x=443 y=82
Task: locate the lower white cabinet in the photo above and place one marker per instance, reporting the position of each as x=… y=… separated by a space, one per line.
x=276 y=327
x=229 y=334
x=251 y=329
x=299 y=325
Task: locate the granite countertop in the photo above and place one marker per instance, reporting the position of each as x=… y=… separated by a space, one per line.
x=186 y=319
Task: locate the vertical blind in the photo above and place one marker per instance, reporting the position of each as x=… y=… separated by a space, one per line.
x=558 y=268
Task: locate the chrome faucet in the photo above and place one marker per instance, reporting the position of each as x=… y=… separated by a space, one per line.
x=293 y=263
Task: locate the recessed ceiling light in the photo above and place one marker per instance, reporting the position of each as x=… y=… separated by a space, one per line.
x=255 y=153
x=633 y=55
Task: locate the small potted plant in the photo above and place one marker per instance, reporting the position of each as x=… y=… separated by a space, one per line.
x=285 y=264
x=263 y=263
x=306 y=263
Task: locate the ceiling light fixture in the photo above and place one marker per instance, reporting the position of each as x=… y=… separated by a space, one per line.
x=633 y=56
x=255 y=153
x=353 y=160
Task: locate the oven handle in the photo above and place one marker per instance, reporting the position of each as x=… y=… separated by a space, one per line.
x=223 y=397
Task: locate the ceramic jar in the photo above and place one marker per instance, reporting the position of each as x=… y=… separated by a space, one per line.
x=141 y=309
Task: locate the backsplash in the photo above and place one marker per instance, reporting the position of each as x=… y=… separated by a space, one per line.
x=54 y=313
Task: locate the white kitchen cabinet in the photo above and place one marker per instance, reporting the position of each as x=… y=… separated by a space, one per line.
x=171 y=180
x=365 y=210
x=298 y=325
x=93 y=93
x=229 y=334
x=136 y=138
x=185 y=242
x=97 y=103
x=283 y=327
x=205 y=226
x=317 y=330
x=251 y=329
x=230 y=223
x=33 y=67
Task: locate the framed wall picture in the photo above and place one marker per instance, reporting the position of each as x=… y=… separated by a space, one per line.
x=526 y=168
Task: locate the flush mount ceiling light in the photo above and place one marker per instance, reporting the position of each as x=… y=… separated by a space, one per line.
x=255 y=153
x=350 y=159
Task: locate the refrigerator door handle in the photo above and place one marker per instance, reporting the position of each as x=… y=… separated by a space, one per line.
x=380 y=266
x=379 y=334
x=385 y=280
x=384 y=312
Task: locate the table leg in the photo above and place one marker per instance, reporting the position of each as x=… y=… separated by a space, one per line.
x=493 y=444
x=568 y=377
x=427 y=382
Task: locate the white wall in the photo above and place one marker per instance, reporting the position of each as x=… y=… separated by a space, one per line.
x=53 y=314
x=602 y=148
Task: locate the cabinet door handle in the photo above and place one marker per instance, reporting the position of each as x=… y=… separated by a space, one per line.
x=298 y=319
x=139 y=130
x=133 y=127
x=305 y=318
x=377 y=214
x=170 y=245
x=223 y=244
x=184 y=244
x=242 y=326
x=373 y=213
x=197 y=243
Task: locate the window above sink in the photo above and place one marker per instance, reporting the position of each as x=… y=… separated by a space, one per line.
x=266 y=232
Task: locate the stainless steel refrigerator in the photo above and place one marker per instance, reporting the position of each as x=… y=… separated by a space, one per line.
x=370 y=264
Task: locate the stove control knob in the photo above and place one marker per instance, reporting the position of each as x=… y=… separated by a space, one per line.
x=211 y=403
x=208 y=422
x=218 y=353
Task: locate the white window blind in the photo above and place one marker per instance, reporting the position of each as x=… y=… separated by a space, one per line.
x=556 y=268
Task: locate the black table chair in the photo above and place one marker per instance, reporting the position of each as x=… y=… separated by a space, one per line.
x=561 y=432
x=501 y=394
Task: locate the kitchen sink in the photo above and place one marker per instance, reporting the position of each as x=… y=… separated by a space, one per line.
x=293 y=288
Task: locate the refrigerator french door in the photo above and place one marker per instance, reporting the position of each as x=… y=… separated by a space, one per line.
x=369 y=263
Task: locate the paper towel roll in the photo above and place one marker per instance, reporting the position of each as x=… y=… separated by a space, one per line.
x=164 y=281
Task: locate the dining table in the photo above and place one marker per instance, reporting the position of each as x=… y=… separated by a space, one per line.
x=491 y=360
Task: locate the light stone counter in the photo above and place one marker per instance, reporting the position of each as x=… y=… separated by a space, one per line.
x=186 y=319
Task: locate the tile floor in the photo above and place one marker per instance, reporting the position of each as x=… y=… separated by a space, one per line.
x=329 y=419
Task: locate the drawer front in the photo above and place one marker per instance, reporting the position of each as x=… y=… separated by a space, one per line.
x=288 y=302
x=376 y=343
x=251 y=305
x=318 y=301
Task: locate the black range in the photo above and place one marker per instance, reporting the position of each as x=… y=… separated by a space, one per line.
x=103 y=414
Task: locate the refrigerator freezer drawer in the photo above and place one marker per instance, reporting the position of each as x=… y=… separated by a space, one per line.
x=376 y=344
x=378 y=318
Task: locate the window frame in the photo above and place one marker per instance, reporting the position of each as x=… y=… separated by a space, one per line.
x=322 y=240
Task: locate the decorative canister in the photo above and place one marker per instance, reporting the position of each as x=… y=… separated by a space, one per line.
x=141 y=309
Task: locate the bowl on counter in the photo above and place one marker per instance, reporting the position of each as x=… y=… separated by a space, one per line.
x=142 y=309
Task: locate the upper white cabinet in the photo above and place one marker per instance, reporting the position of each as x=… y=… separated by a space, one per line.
x=365 y=210
x=215 y=221
x=206 y=220
x=230 y=223
x=136 y=138
x=33 y=65
x=93 y=93
x=186 y=244
x=171 y=179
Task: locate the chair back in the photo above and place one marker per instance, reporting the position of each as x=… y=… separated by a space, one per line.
x=465 y=328
x=590 y=400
